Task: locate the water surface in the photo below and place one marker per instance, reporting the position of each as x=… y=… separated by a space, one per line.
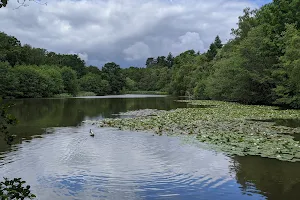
x=66 y=163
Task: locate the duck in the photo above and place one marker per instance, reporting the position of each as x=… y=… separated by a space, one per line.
x=92 y=133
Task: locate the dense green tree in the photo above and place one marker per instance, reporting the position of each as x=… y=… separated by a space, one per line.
x=245 y=24
x=55 y=83
x=10 y=49
x=229 y=81
x=94 y=83
x=70 y=80
x=184 y=66
x=7 y=76
x=93 y=70
x=218 y=42
x=31 y=83
x=170 y=60
x=130 y=84
x=32 y=56
x=74 y=62
x=113 y=74
x=212 y=52
x=213 y=48
x=150 y=62
x=288 y=75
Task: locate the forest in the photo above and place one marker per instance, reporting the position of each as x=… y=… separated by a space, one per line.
x=259 y=65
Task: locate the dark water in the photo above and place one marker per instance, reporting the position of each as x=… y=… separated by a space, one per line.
x=66 y=163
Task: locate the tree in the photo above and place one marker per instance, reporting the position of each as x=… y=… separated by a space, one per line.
x=213 y=48
x=14 y=189
x=70 y=80
x=212 y=52
x=93 y=70
x=74 y=62
x=260 y=59
x=32 y=56
x=150 y=62
x=6 y=120
x=3 y=3
x=161 y=61
x=113 y=74
x=170 y=60
x=130 y=84
x=288 y=75
x=245 y=24
x=31 y=82
x=229 y=82
x=94 y=83
x=7 y=76
x=218 y=42
x=10 y=49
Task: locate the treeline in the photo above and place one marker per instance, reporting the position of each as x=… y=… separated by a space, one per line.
x=28 y=72
x=260 y=65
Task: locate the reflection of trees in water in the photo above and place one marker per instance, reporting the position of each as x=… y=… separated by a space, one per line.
x=36 y=114
x=275 y=179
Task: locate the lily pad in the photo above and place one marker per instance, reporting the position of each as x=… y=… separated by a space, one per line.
x=225 y=126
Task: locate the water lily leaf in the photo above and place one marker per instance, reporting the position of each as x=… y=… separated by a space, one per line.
x=231 y=127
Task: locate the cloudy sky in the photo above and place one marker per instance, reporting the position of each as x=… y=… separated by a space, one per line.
x=124 y=31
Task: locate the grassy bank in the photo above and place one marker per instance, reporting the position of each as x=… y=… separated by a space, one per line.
x=80 y=94
x=147 y=92
x=233 y=128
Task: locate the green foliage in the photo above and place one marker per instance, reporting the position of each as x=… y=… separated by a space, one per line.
x=70 y=80
x=63 y=95
x=10 y=49
x=15 y=189
x=229 y=82
x=3 y=3
x=288 y=75
x=7 y=76
x=245 y=24
x=31 y=82
x=94 y=83
x=113 y=74
x=84 y=93
x=130 y=84
x=213 y=48
x=6 y=120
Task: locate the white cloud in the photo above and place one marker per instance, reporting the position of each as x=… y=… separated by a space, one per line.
x=190 y=40
x=84 y=56
x=122 y=31
x=137 y=51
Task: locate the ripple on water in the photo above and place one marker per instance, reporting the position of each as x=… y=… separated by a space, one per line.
x=120 y=165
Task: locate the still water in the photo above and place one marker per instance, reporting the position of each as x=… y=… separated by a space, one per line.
x=65 y=163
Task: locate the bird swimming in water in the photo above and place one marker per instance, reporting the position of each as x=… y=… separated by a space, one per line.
x=92 y=133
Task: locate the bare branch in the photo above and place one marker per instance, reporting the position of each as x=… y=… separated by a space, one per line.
x=23 y=3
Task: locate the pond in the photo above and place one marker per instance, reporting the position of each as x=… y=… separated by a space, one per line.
x=64 y=162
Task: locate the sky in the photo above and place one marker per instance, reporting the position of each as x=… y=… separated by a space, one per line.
x=123 y=31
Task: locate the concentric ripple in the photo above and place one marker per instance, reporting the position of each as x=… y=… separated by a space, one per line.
x=69 y=164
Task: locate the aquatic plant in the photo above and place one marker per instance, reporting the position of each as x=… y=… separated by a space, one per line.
x=231 y=127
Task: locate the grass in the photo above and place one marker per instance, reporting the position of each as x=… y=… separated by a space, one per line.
x=62 y=95
x=230 y=127
x=84 y=93
x=80 y=94
x=147 y=92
